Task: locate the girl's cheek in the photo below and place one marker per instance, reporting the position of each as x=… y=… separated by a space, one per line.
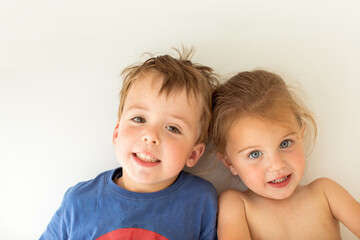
x=248 y=173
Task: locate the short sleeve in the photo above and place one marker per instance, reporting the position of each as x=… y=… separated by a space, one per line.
x=57 y=228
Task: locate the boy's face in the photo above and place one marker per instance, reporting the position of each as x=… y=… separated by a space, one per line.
x=267 y=156
x=156 y=135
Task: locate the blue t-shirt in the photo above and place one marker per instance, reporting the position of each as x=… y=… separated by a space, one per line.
x=100 y=209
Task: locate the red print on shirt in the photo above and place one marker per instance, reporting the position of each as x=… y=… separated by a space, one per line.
x=132 y=234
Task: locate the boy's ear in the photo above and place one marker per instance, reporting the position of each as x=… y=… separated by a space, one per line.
x=198 y=150
x=226 y=161
x=115 y=134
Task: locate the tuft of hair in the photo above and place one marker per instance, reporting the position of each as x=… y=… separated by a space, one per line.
x=178 y=73
x=257 y=93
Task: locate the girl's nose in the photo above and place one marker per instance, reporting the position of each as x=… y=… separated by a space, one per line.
x=276 y=162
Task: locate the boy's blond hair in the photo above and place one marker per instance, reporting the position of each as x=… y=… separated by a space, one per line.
x=257 y=93
x=178 y=74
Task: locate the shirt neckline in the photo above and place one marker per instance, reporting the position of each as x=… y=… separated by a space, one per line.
x=109 y=182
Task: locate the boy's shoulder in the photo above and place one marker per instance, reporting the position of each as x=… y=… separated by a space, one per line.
x=189 y=183
x=89 y=187
x=198 y=184
x=196 y=191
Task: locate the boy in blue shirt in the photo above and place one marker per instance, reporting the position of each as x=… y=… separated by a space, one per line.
x=163 y=119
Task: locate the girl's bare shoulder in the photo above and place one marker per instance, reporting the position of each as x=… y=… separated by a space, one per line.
x=232 y=195
x=321 y=184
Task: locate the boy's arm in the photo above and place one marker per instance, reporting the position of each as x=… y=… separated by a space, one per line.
x=232 y=223
x=56 y=228
x=343 y=206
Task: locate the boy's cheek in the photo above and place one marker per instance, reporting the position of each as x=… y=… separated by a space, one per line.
x=123 y=137
x=125 y=131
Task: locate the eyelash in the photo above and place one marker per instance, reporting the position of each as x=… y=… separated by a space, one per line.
x=287 y=140
x=290 y=142
x=138 y=120
x=169 y=128
x=173 y=129
x=256 y=151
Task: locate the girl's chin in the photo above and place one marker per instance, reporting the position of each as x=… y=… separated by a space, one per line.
x=282 y=195
x=276 y=195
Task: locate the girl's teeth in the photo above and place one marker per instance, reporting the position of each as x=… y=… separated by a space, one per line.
x=279 y=180
x=146 y=158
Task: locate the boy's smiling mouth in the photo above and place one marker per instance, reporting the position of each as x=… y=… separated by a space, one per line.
x=146 y=158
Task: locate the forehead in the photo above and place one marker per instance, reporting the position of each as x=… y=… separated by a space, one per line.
x=146 y=91
x=255 y=128
x=154 y=81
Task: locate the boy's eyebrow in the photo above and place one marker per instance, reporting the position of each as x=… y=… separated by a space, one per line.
x=180 y=118
x=136 y=107
x=255 y=146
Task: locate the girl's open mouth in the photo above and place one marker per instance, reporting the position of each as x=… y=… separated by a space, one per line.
x=280 y=182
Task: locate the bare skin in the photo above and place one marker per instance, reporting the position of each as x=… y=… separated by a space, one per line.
x=269 y=158
x=311 y=212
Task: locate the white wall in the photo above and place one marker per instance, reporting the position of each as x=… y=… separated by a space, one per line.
x=59 y=81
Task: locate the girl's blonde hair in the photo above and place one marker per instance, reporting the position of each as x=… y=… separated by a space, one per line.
x=178 y=74
x=256 y=93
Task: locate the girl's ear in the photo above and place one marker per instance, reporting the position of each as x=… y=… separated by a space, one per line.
x=115 y=134
x=198 y=150
x=226 y=161
x=302 y=131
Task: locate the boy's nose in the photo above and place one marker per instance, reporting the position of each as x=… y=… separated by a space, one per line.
x=151 y=136
x=276 y=162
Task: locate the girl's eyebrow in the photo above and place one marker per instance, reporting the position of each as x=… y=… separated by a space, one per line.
x=290 y=134
x=244 y=149
x=256 y=146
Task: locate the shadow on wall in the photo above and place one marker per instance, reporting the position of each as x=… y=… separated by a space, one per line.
x=211 y=169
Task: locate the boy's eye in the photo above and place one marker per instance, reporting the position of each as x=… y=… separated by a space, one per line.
x=138 y=119
x=255 y=154
x=285 y=144
x=173 y=129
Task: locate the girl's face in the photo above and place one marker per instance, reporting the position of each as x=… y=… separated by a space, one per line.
x=268 y=156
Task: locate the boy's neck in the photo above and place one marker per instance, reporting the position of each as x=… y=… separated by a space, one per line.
x=123 y=182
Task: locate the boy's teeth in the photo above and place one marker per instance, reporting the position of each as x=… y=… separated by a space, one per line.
x=146 y=158
x=279 y=180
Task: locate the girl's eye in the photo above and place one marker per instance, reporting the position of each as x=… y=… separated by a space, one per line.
x=138 y=120
x=173 y=129
x=285 y=144
x=255 y=154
